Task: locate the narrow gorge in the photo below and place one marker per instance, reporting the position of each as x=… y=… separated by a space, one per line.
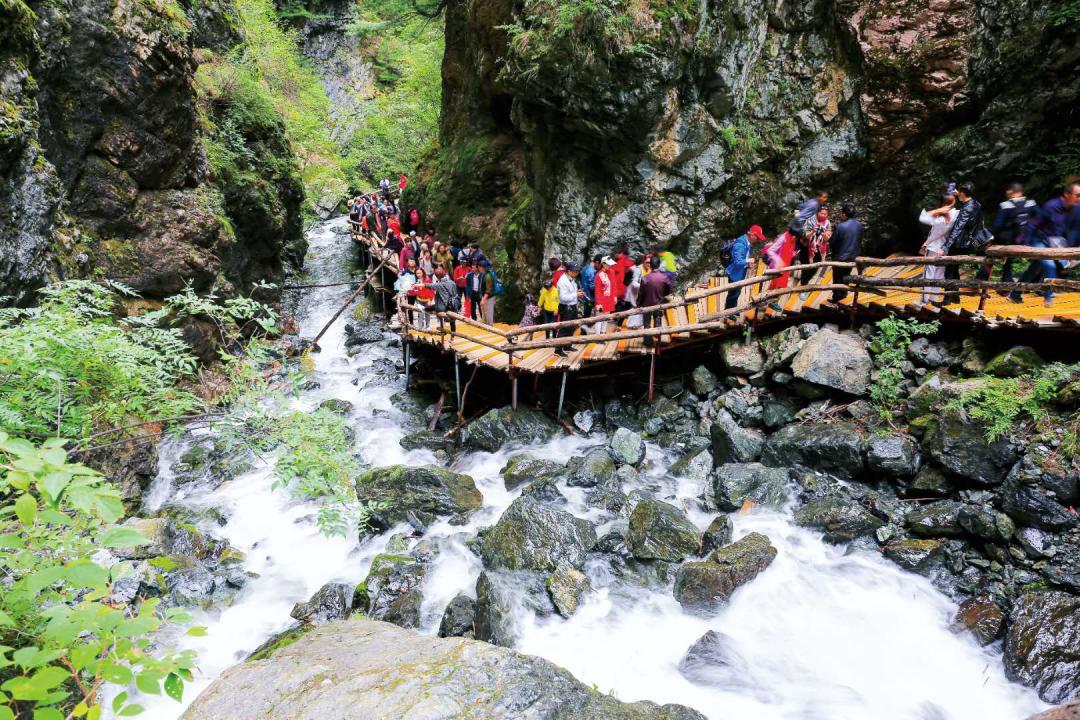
x=207 y=516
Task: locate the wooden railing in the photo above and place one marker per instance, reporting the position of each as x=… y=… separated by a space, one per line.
x=517 y=340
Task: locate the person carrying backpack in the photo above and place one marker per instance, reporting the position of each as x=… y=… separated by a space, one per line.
x=966 y=236
x=446 y=296
x=735 y=254
x=1012 y=226
x=488 y=291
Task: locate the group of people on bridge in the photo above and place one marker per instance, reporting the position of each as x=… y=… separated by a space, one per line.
x=457 y=277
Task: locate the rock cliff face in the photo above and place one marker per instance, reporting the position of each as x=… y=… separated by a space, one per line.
x=682 y=122
x=103 y=170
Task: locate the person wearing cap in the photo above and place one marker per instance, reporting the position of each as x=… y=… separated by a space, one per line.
x=570 y=294
x=605 y=292
x=740 y=260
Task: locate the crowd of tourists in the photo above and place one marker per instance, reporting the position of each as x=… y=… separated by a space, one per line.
x=437 y=276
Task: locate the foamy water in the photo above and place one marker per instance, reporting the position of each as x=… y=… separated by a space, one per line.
x=819 y=635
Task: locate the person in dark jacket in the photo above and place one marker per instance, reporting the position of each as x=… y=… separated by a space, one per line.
x=1012 y=225
x=960 y=239
x=847 y=245
x=655 y=287
x=1057 y=225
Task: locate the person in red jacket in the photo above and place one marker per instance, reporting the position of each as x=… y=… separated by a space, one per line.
x=623 y=264
x=402 y=182
x=604 y=293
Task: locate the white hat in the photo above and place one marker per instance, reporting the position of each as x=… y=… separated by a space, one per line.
x=608 y=261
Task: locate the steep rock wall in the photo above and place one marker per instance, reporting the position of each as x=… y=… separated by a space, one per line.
x=103 y=169
x=682 y=122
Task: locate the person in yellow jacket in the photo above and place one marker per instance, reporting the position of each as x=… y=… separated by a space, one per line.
x=549 y=306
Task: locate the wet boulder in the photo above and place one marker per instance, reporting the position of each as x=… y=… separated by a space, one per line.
x=1065 y=711
x=393 y=590
x=544 y=490
x=1034 y=506
x=702 y=585
x=742 y=358
x=521 y=469
x=982 y=618
x=1042 y=644
x=914 y=554
x=839 y=519
x=834 y=448
x=533 y=536
x=938 y=519
x=595 y=468
x=458 y=617
x=332 y=602
x=336 y=406
x=736 y=483
x=566 y=586
x=833 y=361
x=713 y=660
x=428 y=440
x=892 y=455
x=587 y=420
x=702 y=381
x=959 y=445
x=627 y=447
x=493 y=613
x=695 y=465
x=1014 y=362
x=782 y=347
x=986 y=523
x=717 y=535
x=339 y=672
x=660 y=531
x=427 y=491
x=497 y=427
x=732 y=443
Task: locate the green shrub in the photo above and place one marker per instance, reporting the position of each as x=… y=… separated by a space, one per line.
x=889 y=343
x=64 y=642
x=68 y=367
x=1001 y=403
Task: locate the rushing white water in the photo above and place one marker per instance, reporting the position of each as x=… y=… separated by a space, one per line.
x=819 y=634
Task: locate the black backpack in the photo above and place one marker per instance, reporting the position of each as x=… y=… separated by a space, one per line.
x=1018 y=227
x=726 y=248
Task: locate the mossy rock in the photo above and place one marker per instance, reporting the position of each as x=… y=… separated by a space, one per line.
x=1014 y=362
x=429 y=489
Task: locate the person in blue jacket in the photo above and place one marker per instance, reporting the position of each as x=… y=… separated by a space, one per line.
x=740 y=260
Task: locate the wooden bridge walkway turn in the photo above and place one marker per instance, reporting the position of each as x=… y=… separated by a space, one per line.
x=877 y=287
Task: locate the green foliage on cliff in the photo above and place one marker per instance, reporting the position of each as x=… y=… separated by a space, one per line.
x=403 y=117
x=63 y=641
x=69 y=368
x=1000 y=403
x=263 y=79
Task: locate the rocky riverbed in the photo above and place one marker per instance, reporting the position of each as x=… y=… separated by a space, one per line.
x=757 y=542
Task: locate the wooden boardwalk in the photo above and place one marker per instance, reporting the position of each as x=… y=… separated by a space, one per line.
x=698 y=315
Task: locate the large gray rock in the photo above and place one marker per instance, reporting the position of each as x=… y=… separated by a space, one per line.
x=782 y=347
x=458 y=617
x=713 y=661
x=1030 y=504
x=393 y=590
x=695 y=465
x=428 y=491
x=1042 y=644
x=834 y=361
x=735 y=483
x=330 y=603
x=702 y=585
x=493 y=613
x=499 y=426
x=702 y=381
x=742 y=358
x=938 y=519
x=364 y=669
x=892 y=455
x=627 y=447
x=596 y=468
x=834 y=448
x=659 y=531
x=533 y=536
x=959 y=445
x=732 y=443
x=840 y=519
x=521 y=469
x=1014 y=362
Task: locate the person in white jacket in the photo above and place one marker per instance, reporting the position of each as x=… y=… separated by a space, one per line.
x=939 y=220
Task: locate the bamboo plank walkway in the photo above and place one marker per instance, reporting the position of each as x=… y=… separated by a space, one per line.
x=702 y=303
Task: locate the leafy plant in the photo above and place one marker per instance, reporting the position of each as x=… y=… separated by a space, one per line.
x=889 y=343
x=68 y=367
x=1001 y=403
x=63 y=639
